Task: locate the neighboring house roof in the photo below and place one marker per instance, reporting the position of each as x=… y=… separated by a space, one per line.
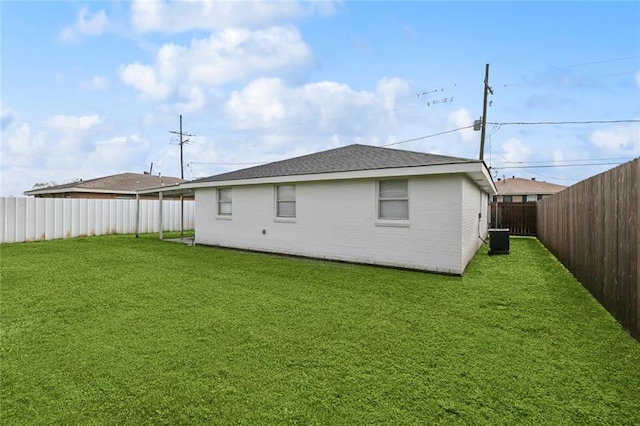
x=123 y=183
x=345 y=159
x=520 y=186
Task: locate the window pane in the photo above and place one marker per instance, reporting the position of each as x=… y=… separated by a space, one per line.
x=394 y=209
x=393 y=189
x=286 y=209
x=224 y=195
x=224 y=208
x=287 y=193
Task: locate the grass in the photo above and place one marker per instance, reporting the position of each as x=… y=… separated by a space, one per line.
x=118 y=330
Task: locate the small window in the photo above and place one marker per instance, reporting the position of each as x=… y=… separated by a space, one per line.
x=393 y=200
x=224 y=201
x=539 y=197
x=507 y=199
x=286 y=201
x=532 y=198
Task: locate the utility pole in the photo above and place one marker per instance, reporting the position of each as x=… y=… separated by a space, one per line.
x=487 y=90
x=182 y=142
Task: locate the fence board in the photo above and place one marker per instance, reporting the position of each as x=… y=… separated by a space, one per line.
x=592 y=228
x=27 y=219
x=519 y=218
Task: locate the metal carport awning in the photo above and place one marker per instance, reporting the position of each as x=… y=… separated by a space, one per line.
x=162 y=191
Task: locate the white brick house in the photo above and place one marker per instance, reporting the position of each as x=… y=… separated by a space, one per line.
x=356 y=203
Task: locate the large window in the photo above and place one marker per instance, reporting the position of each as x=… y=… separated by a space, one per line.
x=393 y=199
x=224 y=201
x=286 y=201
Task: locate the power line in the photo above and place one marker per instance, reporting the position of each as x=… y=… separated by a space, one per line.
x=537 y=123
x=225 y=164
x=61 y=128
x=519 y=123
x=569 y=161
x=602 y=61
x=429 y=136
x=556 y=165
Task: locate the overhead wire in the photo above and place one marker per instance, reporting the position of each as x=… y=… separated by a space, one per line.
x=556 y=165
x=428 y=136
x=540 y=123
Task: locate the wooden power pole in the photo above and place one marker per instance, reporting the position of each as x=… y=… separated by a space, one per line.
x=487 y=90
x=182 y=142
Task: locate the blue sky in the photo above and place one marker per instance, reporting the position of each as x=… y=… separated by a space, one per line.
x=94 y=88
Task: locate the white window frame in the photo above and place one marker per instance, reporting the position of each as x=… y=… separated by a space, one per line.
x=219 y=202
x=391 y=221
x=278 y=216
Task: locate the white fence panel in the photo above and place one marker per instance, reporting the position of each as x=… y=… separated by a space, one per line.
x=31 y=219
x=3 y=219
x=10 y=216
x=21 y=219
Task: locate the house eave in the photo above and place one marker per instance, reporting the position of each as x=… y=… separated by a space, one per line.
x=477 y=171
x=176 y=189
x=45 y=191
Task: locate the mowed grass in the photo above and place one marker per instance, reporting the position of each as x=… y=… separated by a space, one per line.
x=118 y=330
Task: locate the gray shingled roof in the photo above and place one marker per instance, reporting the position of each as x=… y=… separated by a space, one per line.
x=345 y=159
x=116 y=183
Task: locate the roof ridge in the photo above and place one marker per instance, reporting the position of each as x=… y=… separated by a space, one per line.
x=346 y=158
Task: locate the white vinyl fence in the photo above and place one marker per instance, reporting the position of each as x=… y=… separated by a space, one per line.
x=32 y=219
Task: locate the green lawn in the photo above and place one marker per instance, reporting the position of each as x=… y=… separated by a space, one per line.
x=118 y=330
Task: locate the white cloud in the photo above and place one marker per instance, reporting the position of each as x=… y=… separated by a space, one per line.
x=145 y=79
x=6 y=116
x=618 y=139
x=64 y=148
x=409 y=32
x=515 y=151
x=316 y=115
x=116 y=153
x=462 y=118
x=96 y=83
x=211 y=15
x=86 y=24
x=233 y=55
x=193 y=99
x=19 y=145
x=70 y=122
x=638 y=79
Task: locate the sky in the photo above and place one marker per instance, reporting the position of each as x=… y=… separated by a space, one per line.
x=90 y=89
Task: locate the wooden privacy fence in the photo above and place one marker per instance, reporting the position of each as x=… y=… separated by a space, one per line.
x=592 y=228
x=520 y=218
x=30 y=219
